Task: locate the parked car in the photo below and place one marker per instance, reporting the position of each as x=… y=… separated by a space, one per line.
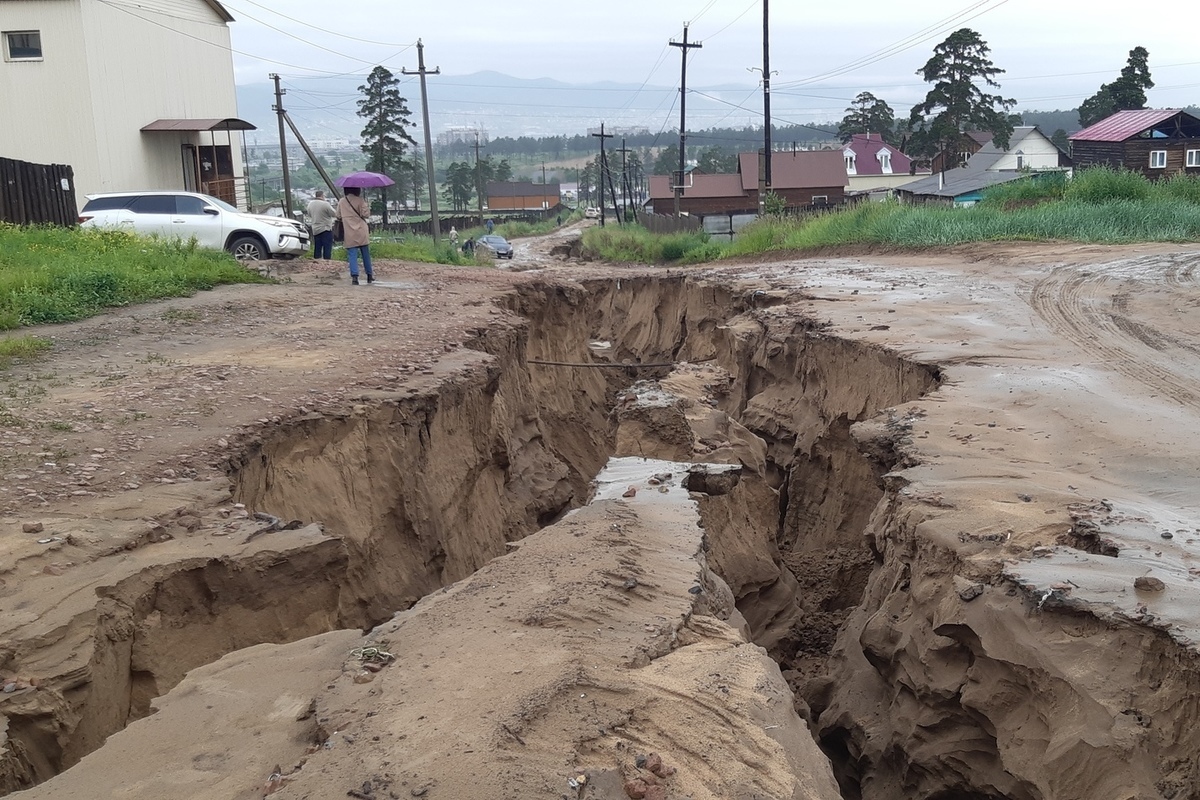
x=498 y=245
x=591 y=213
x=185 y=215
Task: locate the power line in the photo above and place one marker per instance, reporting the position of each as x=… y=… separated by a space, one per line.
x=317 y=27
x=302 y=40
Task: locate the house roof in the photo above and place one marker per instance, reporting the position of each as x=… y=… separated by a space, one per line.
x=960 y=181
x=522 y=189
x=222 y=12
x=866 y=147
x=703 y=186
x=191 y=125
x=801 y=169
x=1124 y=125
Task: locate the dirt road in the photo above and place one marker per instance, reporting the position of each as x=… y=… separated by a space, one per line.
x=978 y=465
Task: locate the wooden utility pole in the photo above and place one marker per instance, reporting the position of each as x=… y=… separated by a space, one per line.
x=287 y=178
x=478 y=178
x=767 y=95
x=683 y=46
x=434 y=222
x=603 y=166
x=624 y=181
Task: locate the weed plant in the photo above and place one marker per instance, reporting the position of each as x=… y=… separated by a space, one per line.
x=633 y=243
x=421 y=249
x=21 y=348
x=62 y=274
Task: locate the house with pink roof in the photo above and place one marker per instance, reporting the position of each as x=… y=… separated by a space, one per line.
x=873 y=165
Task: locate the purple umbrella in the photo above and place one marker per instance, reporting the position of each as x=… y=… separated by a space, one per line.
x=364 y=180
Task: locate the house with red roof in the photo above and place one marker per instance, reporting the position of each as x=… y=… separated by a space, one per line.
x=703 y=194
x=872 y=164
x=1157 y=142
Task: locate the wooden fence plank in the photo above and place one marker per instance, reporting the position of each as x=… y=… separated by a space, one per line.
x=33 y=194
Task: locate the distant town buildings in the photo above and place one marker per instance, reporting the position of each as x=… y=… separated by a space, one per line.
x=456 y=134
x=618 y=131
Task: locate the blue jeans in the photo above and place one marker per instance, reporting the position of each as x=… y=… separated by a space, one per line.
x=352 y=252
x=323 y=244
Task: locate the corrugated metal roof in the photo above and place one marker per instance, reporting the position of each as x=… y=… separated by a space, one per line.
x=1124 y=125
x=866 y=147
x=803 y=169
x=703 y=187
x=190 y=125
x=522 y=189
x=960 y=181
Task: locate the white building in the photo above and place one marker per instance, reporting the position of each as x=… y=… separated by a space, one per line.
x=132 y=94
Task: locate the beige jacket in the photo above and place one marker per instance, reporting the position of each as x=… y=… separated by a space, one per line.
x=353 y=212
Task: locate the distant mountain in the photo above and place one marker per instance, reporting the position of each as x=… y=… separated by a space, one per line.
x=324 y=108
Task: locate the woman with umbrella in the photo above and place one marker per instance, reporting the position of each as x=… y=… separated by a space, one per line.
x=353 y=211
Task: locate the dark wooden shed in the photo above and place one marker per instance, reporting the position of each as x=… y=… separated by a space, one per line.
x=1157 y=142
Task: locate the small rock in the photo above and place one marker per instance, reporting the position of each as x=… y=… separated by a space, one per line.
x=971 y=592
x=1025 y=498
x=630 y=492
x=654 y=762
x=9 y=688
x=695 y=589
x=362 y=676
x=33 y=527
x=1167 y=535
x=1149 y=584
x=636 y=789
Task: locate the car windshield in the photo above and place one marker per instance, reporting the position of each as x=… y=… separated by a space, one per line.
x=221 y=204
x=494 y=240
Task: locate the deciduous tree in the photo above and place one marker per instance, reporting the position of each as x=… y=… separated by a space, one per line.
x=960 y=71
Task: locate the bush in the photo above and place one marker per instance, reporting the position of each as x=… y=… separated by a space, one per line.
x=1102 y=185
x=63 y=274
x=1036 y=188
x=633 y=243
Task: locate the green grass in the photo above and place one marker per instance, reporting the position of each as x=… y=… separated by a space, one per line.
x=1099 y=206
x=21 y=348
x=64 y=274
x=422 y=249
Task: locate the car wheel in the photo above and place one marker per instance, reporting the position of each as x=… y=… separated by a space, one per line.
x=510 y=255
x=248 y=248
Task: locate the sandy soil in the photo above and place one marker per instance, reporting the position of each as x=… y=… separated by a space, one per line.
x=1071 y=390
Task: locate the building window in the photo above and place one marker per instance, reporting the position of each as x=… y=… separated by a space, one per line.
x=820 y=200
x=1193 y=158
x=22 y=46
x=1158 y=159
x=849 y=156
x=885 y=161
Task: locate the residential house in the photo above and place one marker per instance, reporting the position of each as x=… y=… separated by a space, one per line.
x=522 y=196
x=970 y=144
x=1030 y=154
x=703 y=194
x=132 y=95
x=800 y=177
x=1157 y=142
x=873 y=165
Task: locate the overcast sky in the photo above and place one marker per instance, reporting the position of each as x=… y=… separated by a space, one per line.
x=1055 y=53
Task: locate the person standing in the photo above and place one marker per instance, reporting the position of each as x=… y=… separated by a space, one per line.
x=321 y=215
x=453 y=237
x=353 y=211
x=490 y=225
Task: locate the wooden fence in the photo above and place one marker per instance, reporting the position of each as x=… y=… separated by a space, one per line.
x=663 y=223
x=37 y=194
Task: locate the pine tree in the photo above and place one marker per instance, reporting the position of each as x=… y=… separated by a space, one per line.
x=1128 y=92
x=386 y=137
x=956 y=103
x=868 y=114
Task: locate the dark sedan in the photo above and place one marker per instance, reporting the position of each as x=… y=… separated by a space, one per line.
x=498 y=245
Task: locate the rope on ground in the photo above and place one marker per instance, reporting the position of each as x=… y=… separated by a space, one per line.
x=622 y=365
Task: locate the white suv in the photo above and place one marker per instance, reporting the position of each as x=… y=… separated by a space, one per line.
x=185 y=215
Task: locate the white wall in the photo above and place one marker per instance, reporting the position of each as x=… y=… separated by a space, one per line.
x=1039 y=153
x=86 y=102
x=860 y=183
x=44 y=106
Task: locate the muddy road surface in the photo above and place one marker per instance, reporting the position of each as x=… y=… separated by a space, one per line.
x=878 y=528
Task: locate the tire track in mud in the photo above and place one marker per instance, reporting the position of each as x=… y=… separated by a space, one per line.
x=1088 y=305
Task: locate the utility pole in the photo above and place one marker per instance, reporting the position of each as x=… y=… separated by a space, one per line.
x=603 y=167
x=683 y=46
x=624 y=181
x=287 y=178
x=478 y=178
x=767 y=94
x=543 y=173
x=435 y=223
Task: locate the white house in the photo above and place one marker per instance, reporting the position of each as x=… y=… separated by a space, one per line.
x=132 y=94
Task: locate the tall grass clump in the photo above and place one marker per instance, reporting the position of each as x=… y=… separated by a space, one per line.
x=1103 y=185
x=421 y=249
x=62 y=274
x=1037 y=188
x=633 y=243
